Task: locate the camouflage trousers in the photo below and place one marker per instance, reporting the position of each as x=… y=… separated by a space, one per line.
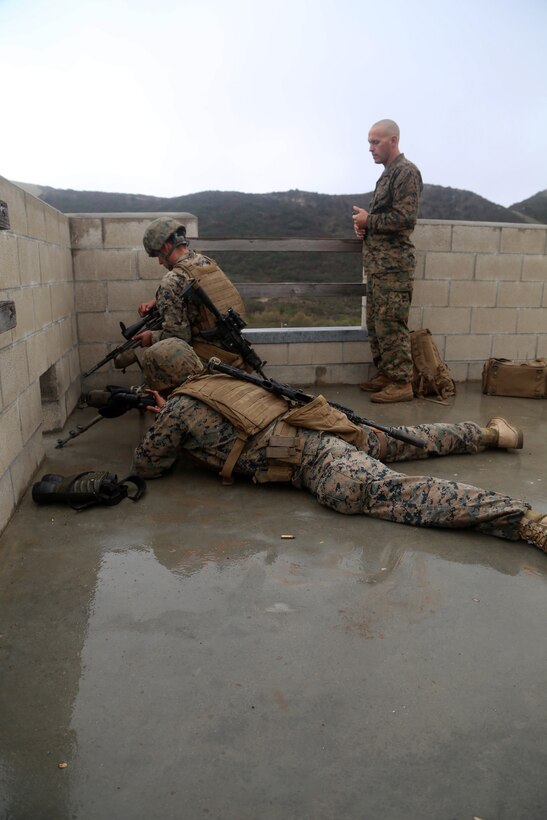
x=352 y=481
x=387 y=309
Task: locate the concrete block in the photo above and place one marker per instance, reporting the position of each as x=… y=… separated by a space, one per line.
x=432 y=237
x=519 y=294
x=9 y=261
x=7 y=500
x=53 y=345
x=15 y=199
x=62 y=300
x=36 y=222
x=494 y=320
x=98 y=327
x=24 y=308
x=472 y=293
x=534 y=267
x=273 y=354
x=55 y=415
x=419 y=273
x=459 y=371
x=29 y=261
x=542 y=347
x=293 y=374
x=42 y=305
x=56 y=223
x=90 y=354
x=26 y=464
x=14 y=372
x=447 y=320
x=72 y=396
x=107 y=265
x=54 y=382
x=480 y=238
x=468 y=347
x=37 y=355
x=355 y=352
x=449 y=266
x=6 y=339
x=415 y=318
x=495 y=266
x=124 y=232
x=74 y=364
x=523 y=240
x=431 y=292
x=128 y=295
x=148 y=267
x=90 y=296
x=85 y=231
x=30 y=410
x=532 y=320
x=66 y=335
x=514 y=346
x=315 y=353
x=474 y=371
x=12 y=442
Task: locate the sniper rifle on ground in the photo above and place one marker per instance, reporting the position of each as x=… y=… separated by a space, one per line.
x=300 y=397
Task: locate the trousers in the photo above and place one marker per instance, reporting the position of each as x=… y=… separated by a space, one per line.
x=352 y=481
x=387 y=310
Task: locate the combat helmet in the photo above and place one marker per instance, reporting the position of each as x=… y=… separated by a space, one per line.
x=159 y=231
x=168 y=363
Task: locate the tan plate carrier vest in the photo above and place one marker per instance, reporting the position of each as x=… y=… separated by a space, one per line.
x=251 y=409
x=223 y=294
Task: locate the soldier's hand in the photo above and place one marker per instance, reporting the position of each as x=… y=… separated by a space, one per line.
x=146 y=307
x=145 y=338
x=160 y=401
x=359 y=221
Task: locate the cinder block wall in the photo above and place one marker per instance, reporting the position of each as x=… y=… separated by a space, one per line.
x=39 y=366
x=481 y=288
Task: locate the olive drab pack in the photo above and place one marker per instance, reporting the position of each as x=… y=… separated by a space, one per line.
x=431 y=376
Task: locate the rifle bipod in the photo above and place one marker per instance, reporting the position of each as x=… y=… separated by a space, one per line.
x=77 y=432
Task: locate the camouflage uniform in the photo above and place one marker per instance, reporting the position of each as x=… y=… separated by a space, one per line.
x=340 y=476
x=177 y=314
x=389 y=260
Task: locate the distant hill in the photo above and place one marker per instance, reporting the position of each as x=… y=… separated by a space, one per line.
x=289 y=213
x=534 y=208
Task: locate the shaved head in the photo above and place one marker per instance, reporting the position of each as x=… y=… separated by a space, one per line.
x=389 y=127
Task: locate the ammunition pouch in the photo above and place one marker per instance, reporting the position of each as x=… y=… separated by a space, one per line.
x=86 y=489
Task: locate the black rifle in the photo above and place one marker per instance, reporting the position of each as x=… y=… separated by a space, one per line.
x=299 y=397
x=111 y=402
x=152 y=321
x=227 y=331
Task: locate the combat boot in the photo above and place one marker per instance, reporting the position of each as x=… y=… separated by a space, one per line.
x=533 y=529
x=123 y=360
x=394 y=391
x=500 y=433
x=379 y=381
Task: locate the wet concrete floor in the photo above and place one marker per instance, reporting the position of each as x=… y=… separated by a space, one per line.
x=186 y=661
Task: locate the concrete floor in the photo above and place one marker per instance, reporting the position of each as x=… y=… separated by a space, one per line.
x=188 y=662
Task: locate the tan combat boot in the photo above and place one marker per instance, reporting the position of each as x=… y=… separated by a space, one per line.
x=379 y=381
x=533 y=529
x=395 y=391
x=500 y=433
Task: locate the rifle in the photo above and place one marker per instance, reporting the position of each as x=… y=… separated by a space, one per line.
x=299 y=397
x=227 y=332
x=152 y=321
x=111 y=402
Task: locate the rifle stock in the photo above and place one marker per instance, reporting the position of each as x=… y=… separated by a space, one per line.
x=151 y=321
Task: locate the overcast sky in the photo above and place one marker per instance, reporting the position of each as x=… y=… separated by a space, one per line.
x=170 y=97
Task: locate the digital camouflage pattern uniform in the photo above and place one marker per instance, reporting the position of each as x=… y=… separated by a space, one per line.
x=178 y=315
x=340 y=476
x=390 y=262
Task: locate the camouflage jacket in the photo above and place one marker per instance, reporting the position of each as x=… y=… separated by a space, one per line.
x=177 y=314
x=187 y=424
x=392 y=216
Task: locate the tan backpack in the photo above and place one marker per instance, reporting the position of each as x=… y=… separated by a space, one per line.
x=431 y=376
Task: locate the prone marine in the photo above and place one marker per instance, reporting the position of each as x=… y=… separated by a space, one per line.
x=242 y=430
